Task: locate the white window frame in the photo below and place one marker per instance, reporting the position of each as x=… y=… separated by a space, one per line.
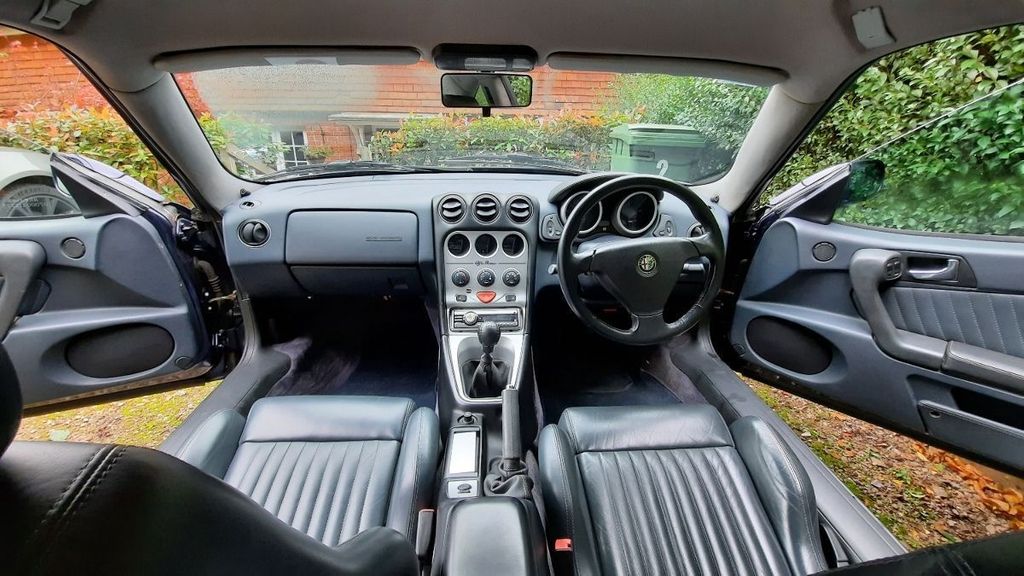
x=281 y=162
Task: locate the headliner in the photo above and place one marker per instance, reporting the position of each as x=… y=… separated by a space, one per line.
x=810 y=41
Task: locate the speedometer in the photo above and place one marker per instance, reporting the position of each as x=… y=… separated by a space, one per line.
x=635 y=214
x=592 y=217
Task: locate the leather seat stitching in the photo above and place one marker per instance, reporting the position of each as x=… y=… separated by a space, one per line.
x=819 y=555
x=366 y=488
x=677 y=456
x=56 y=503
x=410 y=527
x=731 y=522
x=668 y=460
x=618 y=528
x=659 y=495
x=749 y=529
x=91 y=484
x=718 y=528
x=634 y=523
x=571 y=428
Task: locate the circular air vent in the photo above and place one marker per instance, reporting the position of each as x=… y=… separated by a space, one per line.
x=485 y=208
x=520 y=209
x=254 y=232
x=452 y=209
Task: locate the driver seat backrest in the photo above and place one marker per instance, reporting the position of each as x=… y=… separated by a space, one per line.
x=674 y=490
x=74 y=508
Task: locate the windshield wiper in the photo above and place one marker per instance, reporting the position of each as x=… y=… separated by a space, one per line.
x=355 y=168
x=514 y=162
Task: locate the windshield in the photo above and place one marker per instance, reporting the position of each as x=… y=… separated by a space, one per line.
x=292 y=121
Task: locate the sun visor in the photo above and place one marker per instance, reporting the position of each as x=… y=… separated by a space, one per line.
x=219 y=59
x=741 y=73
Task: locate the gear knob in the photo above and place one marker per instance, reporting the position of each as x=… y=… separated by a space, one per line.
x=488 y=333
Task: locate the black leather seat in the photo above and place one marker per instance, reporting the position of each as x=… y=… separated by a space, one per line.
x=72 y=508
x=330 y=466
x=674 y=490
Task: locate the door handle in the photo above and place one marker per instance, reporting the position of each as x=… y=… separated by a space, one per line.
x=946 y=272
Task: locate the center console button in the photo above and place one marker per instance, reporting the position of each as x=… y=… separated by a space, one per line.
x=470 y=318
x=485 y=296
x=485 y=277
x=460 y=277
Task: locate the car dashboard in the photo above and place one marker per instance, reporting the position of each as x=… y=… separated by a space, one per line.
x=472 y=242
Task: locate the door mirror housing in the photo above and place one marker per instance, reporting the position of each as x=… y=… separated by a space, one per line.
x=486 y=90
x=866 y=179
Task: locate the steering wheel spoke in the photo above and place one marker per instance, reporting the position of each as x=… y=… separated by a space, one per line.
x=649 y=329
x=580 y=262
x=705 y=245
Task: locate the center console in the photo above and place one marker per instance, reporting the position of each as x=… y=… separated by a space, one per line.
x=485 y=253
x=485 y=247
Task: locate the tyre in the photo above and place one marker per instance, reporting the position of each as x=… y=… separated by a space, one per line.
x=31 y=200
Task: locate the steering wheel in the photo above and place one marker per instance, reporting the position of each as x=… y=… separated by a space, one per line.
x=640 y=272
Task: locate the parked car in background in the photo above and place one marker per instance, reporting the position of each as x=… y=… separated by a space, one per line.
x=26 y=186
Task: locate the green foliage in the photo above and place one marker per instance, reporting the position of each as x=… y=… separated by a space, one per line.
x=101 y=134
x=721 y=111
x=251 y=135
x=962 y=174
x=574 y=138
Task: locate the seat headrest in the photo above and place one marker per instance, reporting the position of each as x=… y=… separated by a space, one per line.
x=10 y=401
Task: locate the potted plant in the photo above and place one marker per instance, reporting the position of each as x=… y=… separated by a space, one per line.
x=317 y=154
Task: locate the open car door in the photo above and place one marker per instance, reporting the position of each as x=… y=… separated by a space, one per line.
x=921 y=332
x=123 y=295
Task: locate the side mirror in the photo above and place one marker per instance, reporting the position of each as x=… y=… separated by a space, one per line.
x=484 y=90
x=866 y=179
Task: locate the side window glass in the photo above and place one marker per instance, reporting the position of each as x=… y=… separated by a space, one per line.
x=47 y=105
x=947 y=120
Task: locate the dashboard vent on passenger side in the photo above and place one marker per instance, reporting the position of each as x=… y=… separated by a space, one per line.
x=452 y=209
x=520 y=209
x=485 y=208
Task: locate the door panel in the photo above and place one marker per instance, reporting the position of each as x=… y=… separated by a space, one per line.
x=936 y=354
x=984 y=319
x=122 y=314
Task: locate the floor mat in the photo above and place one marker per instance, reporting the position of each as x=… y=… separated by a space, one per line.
x=383 y=361
x=575 y=367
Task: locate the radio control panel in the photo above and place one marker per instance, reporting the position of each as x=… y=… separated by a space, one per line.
x=508 y=319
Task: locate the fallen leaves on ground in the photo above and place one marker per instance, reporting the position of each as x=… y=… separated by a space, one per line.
x=141 y=421
x=924 y=495
x=1003 y=500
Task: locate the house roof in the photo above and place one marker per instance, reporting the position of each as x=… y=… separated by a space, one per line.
x=303 y=94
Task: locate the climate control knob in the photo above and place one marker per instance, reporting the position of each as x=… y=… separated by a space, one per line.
x=511 y=278
x=460 y=277
x=485 y=277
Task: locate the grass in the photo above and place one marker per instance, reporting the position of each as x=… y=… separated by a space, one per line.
x=142 y=421
x=920 y=500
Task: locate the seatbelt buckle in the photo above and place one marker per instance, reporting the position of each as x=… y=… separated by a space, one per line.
x=563 y=545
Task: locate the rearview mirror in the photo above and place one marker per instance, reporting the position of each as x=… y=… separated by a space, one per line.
x=482 y=90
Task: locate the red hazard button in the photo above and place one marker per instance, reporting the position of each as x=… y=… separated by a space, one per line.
x=485 y=296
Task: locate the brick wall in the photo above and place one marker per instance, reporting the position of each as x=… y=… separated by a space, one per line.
x=36 y=76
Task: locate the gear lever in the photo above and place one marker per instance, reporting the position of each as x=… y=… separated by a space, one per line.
x=489 y=334
x=489 y=377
